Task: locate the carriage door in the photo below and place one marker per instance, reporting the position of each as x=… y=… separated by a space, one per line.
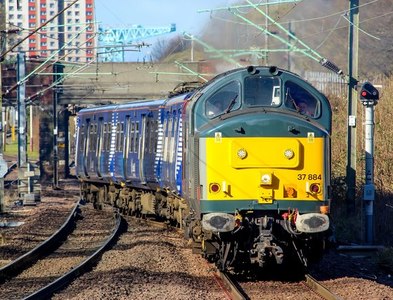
x=127 y=146
x=142 y=148
x=100 y=144
x=86 y=145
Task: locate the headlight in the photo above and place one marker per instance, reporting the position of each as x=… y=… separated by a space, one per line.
x=288 y=153
x=242 y=153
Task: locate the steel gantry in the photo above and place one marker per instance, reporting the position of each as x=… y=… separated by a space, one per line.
x=114 y=40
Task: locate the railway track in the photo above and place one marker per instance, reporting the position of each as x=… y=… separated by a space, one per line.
x=310 y=288
x=68 y=253
x=240 y=291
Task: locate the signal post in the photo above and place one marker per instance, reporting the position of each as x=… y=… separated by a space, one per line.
x=369 y=97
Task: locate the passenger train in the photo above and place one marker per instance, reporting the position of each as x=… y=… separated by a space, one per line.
x=241 y=163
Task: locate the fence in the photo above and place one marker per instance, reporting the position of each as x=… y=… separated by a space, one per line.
x=331 y=84
x=327 y=83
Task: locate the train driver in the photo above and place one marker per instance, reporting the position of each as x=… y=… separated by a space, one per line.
x=304 y=108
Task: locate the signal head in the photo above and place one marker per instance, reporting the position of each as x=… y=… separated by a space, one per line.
x=368 y=94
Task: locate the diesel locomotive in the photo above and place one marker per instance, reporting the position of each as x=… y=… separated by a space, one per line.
x=241 y=163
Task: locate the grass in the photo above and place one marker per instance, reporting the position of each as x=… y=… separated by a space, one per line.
x=12 y=150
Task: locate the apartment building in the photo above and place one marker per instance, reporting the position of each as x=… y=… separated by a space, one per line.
x=70 y=36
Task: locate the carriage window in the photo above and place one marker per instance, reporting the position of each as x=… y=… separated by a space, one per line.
x=82 y=137
x=108 y=140
x=152 y=134
x=262 y=91
x=92 y=137
x=136 y=139
x=95 y=146
x=119 y=136
x=299 y=99
x=132 y=130
x=104 y=136
x=224 y=100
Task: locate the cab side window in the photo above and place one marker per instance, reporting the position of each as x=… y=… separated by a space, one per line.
x=224 y=100
x=299 y=99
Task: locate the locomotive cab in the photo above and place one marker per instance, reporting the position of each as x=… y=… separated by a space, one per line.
x=253 y=166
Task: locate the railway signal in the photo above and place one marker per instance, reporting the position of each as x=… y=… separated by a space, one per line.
x=369 y=97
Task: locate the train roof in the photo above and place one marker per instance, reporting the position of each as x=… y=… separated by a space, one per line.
x=134 y=104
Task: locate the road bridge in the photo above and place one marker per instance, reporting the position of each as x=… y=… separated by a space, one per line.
x=122 y=82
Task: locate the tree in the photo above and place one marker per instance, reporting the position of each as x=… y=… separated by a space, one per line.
x=164 y=48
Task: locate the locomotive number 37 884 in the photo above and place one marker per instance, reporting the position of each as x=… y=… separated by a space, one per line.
x=309 y=176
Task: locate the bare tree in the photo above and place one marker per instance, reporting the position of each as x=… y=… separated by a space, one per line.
x=164 y=48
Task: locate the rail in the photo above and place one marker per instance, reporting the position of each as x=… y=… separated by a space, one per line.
x=87 y=264
x=320 y=289
x=233 y=290
x=21 y=263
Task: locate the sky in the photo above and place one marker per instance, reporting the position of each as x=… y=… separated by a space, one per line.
x=160 y=13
